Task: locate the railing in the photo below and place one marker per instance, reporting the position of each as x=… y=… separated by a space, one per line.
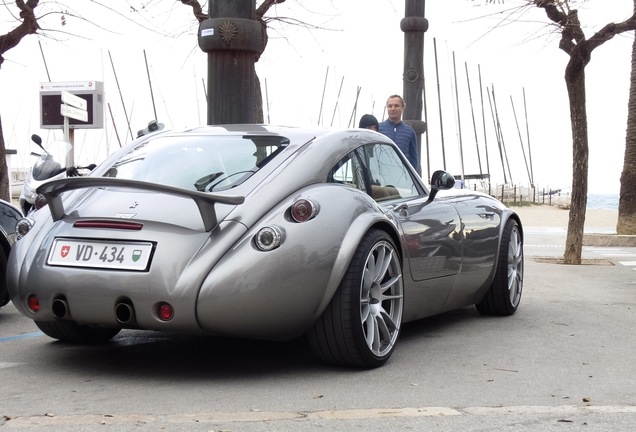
x=520 y=195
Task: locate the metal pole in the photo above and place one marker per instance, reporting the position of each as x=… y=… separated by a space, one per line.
x=152 y=95
x=483 y=118
x=523 y=151
x=233 y=38
x=121 y=97
x=439 y=104
x=497 y=135
x=525 y=108
x=335 y=108
x=472 y=111
x=459 y=119
x=414 y=25
x=503 y=146
x=322 y=100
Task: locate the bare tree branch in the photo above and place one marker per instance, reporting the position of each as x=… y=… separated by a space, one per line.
x=264 y=7
x=197 y=10
x=29 y=25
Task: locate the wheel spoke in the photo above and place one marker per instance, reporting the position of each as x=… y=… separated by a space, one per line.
x=390 y=283
x=371 y=332
x=384 y=333
x=388 y=323
x=383 y=261
x=367 y=281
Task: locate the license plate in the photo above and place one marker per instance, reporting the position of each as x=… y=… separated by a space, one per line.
x=100 y=254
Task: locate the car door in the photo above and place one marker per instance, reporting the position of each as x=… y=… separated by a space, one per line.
x=432 y=230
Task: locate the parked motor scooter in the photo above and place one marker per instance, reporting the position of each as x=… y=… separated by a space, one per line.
x=46 y=168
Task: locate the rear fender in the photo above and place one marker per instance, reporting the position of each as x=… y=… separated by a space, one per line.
x=279 y=294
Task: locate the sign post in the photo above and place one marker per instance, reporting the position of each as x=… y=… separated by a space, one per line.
x=72 y=107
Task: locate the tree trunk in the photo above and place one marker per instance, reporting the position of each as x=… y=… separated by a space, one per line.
x=627 y=201
x=575 y=82
x=258 y=101
x=5 y=193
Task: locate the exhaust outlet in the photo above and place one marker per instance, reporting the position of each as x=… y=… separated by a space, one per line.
x=59 y=307
x=124 y=313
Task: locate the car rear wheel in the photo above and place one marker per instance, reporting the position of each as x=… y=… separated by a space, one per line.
x=361 y=325
x=70 y=331
x=505 y=292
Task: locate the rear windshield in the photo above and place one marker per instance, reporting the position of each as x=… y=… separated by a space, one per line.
x=203 y=163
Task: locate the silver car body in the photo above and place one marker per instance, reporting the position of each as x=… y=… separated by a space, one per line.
x=204 y=261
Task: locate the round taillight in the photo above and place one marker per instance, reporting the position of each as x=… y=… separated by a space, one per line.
x=40 y=201
x=268 y=238
x=303 y=210
x=33 y=303
x=166 y=312
x=23 y=226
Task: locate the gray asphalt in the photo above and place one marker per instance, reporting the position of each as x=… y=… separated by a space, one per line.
x=564 y=361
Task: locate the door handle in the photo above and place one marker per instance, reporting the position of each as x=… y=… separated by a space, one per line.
x=400 y=207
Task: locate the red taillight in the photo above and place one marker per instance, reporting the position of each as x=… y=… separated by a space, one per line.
x=33 y=303
x=108 y=224
x=166 y=312
x=40 y=201
x=303 y=210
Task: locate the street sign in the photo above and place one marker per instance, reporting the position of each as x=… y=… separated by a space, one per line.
x=72 y=112
x=74 y=101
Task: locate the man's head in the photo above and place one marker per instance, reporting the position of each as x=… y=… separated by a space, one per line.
x=368 y=121
x=395 y=108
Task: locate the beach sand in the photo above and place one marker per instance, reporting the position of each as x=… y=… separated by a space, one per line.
x=550 y=216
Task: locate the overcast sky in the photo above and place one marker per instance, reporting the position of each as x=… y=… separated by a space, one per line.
x=359 y=48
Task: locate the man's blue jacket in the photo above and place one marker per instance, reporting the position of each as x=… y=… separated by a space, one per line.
x=404 y=136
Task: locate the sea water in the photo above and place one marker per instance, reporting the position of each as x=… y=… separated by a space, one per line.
x=602 y=201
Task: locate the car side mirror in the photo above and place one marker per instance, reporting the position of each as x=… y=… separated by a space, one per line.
x=440 y=180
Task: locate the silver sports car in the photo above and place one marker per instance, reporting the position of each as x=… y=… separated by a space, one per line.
x=263 y=232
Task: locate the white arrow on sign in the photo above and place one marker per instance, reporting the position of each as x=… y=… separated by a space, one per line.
x=72 y=100
x=72 y=112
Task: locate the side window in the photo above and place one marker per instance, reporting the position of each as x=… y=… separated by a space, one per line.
x=390 y=179
x=349 y=171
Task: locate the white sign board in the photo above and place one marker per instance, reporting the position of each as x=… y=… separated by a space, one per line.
x=72 y=100
x=72 y=112
x=71 y=86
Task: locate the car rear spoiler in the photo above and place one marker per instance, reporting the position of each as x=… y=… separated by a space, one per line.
x=204 y=201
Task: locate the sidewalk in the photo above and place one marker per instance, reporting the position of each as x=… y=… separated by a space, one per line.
x=600 y=225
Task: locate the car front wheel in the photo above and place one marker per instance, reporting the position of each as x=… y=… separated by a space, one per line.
x=361 y=325
x=505 y=292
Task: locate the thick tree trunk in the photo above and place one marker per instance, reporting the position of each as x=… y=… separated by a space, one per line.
x=258 y=101
x=627 y=201
x=575 y=81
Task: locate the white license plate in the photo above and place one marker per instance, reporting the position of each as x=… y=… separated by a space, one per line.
x=100 y=254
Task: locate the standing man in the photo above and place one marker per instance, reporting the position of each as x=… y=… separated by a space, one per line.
x=401 y=133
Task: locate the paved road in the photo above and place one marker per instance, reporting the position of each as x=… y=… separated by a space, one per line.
x=565 y=361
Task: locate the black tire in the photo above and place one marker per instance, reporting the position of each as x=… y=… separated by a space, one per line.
x=361 y=325
x=504 y=295
x=4 y=292
x=70 y=331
